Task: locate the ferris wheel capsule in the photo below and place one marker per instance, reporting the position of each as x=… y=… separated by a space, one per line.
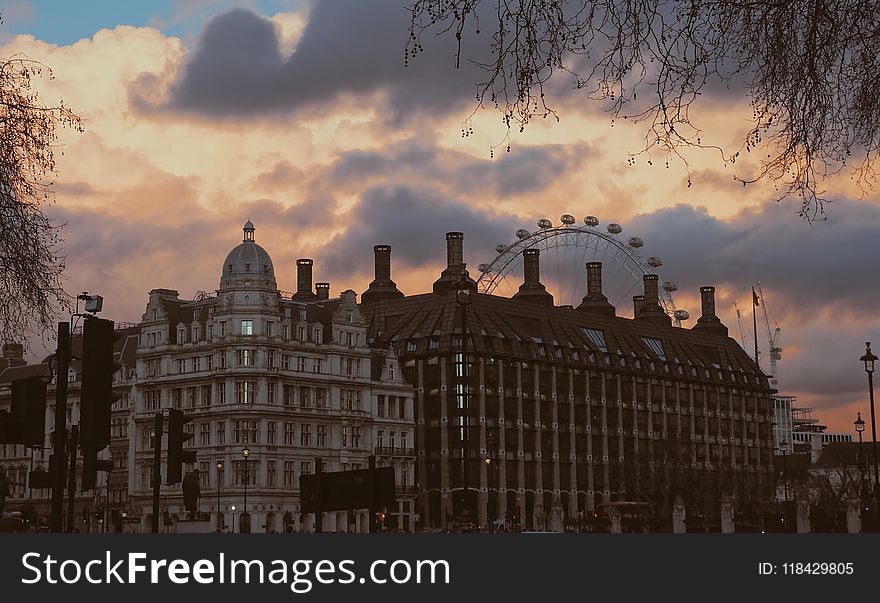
x=670 y=286
x=615 y=228
x=544 y=223
x=636 y=242
x=483 y=267
x=500 y=248
x=522 y=233
x=681 y=315
x=591 y=221
x=654 y=262
x=567 y=219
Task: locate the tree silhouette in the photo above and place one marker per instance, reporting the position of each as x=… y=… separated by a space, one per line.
x=30 y=263
x=808 y=69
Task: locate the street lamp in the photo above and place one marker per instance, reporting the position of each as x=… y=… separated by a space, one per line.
x=860 y=428
x=245 y=452
x=463 y=299
x=219 y=514
x=233 y=518
x=869 y=360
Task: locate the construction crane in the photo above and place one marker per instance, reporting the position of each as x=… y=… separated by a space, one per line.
x=772 y=339
x=740 y=325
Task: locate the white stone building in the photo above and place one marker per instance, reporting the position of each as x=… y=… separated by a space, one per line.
x=290 y=378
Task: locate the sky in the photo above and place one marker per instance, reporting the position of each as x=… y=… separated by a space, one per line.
x=201 y=114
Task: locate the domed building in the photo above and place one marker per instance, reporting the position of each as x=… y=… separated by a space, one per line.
x=288 y=376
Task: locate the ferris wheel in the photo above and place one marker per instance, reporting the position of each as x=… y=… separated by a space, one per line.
x=565 y=250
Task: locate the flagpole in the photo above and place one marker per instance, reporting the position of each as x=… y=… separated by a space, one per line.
x=755 y=323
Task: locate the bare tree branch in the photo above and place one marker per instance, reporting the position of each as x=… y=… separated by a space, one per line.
x=31 y=266
x=808 y=68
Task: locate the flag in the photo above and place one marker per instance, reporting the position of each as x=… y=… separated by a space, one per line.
x=755 y=297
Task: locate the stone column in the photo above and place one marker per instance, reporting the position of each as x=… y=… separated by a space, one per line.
x=803 y=516
x=727 y=523
x=679 y=516
x=853 y=515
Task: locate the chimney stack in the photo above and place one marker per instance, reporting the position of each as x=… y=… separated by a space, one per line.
x=638 y=302
x=382 y=286
x=532 y=290
x=650 y=308
x=595 y=301
x=322 y=291
x=709 y=322
x=13 y=355
x=455 y=275
x=304 y=280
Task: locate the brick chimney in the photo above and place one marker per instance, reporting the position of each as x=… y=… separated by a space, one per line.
x=304 y=280
x=709 y=322
x=322 y=291
x=455 y=274
x=382 y=286
x=638 y=302
x=651 y=311
x=532 y=290
x=595 y=301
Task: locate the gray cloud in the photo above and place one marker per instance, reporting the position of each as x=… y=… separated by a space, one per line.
x=349 y=48
x=413 y=220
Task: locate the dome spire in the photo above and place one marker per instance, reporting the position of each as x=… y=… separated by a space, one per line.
x=248 y=231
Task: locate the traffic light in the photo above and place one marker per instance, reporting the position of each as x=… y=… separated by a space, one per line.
x=25 y=423
x=176 y=439
x=97 y=384
x=91 y=466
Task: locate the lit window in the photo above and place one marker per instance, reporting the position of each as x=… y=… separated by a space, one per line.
x=247 y=327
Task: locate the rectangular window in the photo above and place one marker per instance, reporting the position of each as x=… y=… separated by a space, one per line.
x=197 y=332
x=322 y=436
x=355 y=436
x=596 y=337
x=381 y=406
x=247 y=357
x=656 y=346
x=350 y=338
x=321 y=397
x=301 y=334
x=285 y=362
x=177 y=397
x=305 y=434
x=191 y=395
x=305 y=467
x=316 y=365
x=289 y=473
x=349 y=366
x=270 y=432
x=221 y=393
x=286 y=331
x=289 y=434
x=206 y=395
x=270 y=328
x=301 y=364
x=345 y=436
x=181 y=366
x=245 y=392
x=205 y=434
x=210 y=331
x=222 y=328
x=288 y=395
x=401 y=408
x=221 y=433
x=305 y=399
x=270 y=359
x=316 y=335
x=152 y=400
x=209 y=362
x=271 y=392
x=222 y=356
x=153 y=339
x=270 y=473
x=380 y=438
x=247 y=327
x=392 y=439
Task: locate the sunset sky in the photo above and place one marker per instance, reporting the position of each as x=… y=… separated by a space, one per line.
x=300 y=116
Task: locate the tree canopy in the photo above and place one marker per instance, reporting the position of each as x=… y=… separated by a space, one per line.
x=808 y=68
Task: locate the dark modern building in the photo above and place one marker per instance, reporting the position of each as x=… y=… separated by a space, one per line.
x=542 y=413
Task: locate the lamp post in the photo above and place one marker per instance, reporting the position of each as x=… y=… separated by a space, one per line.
x=219 y=514
x=860 y=428
x=245 y=452
x=233 y=518
x=463 y=299
x=869 y=360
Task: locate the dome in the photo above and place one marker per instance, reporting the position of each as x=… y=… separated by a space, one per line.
x=248 y=261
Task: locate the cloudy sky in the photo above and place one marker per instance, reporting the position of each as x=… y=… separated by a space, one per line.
x=201 y=114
